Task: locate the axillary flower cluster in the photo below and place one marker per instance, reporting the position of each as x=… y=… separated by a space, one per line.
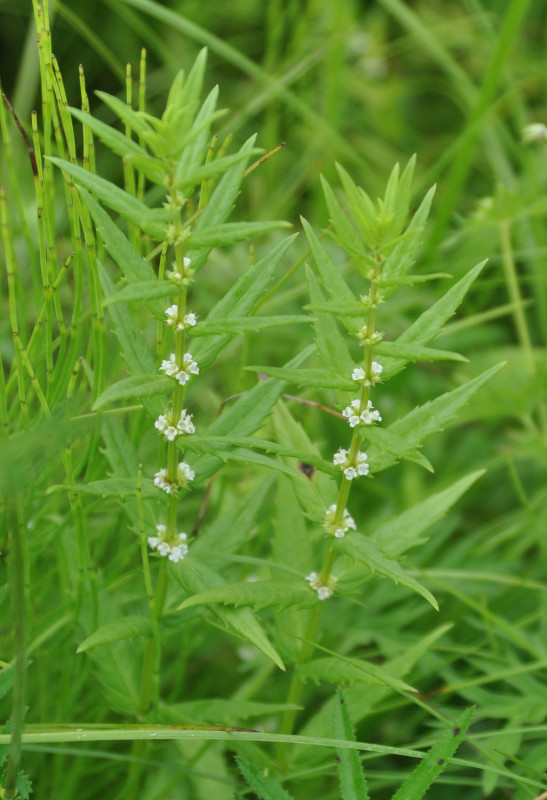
x=353 y=463
x=176 y=421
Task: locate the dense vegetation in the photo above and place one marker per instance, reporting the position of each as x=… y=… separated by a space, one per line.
x=273 y=450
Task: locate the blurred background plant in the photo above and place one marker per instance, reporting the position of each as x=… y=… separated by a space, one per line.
x=365 y=84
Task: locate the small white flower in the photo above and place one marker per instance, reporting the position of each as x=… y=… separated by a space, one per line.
x=183 y=278
x=536 y=132
x=351 y=470
x=355 y=415
x=164 y=549
x=190 y=320
x=185 y=424
x=338 y=530
x=323 y=592
x=170 y=366
x=358 y=374
x=365 y=339
x=172 y=314
x=184 y=473
x=154 y=541
x=178 y=552
x=163 y=425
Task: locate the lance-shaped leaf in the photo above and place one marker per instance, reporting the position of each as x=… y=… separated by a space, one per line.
x=235 y=325
x=347 y=236
x=345 y=669
x=153 y=168
x=436 y=760
x=259 y=594
x=136 y=386
x=359 y=548
x=263 y=785
x=388 y=442
x=109 y=487
x=152 y=221
x=415 y=352
x=315 y=378
x=146 y=290
x=398 y=535
x=230 y=233
x=197 y=577
x=353 y=785
x=128 y=627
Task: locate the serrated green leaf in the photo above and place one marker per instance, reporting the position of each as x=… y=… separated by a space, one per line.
x=125 y=628
x=316 y=378
x=415 y=352
x=241 y=299
x=386 y=441
x=404 y=253
x=137 y=386
x=146 y=290
x=153 y=168
x=220 y=204
x=235 y=325
x=330 y=343
x=431 y=322
x=353 y=785
x=359 y=548
x=230 y=233
x=260 y=782
x=351 y=309
x=345 y=233
x=109 y=487
x=259 y=594
x=221 y=711
x=331 y=279
x=197 y=577
x=133 y=119
x=133 y=344
x=349 y=670
x=434 y=415
x=152 y=221
x=398 y=535
x=421 y=778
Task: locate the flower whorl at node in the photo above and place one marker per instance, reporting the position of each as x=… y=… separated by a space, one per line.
x=359 y=374
x=367 y=340
x=338 y=529
x=182 y=277
x=176 y=550
x=181 y=374
x=357 y=416
x=172 y=314
x=351 y=470
x=184 y=425
x=184 y=475
x=323 y=592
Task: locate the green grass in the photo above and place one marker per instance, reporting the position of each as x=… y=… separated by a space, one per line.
x=125 y=675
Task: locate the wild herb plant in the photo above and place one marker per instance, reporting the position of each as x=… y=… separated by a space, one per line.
x=246 y=520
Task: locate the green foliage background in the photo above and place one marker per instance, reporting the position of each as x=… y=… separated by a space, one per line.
x=364 y=84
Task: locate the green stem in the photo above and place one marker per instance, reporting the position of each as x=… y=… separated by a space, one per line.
x=20 y=628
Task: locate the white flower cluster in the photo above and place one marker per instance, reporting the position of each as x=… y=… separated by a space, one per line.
x=172 y=314
x=338 y=529
x=181 y=373
x=175 y=550
x=184 y=474
x=359 y=374
x=184 y=425
x=356 y=415
x=323 y=592
x=353 y=469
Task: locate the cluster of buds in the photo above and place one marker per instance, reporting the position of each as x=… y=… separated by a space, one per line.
x=323 y=592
